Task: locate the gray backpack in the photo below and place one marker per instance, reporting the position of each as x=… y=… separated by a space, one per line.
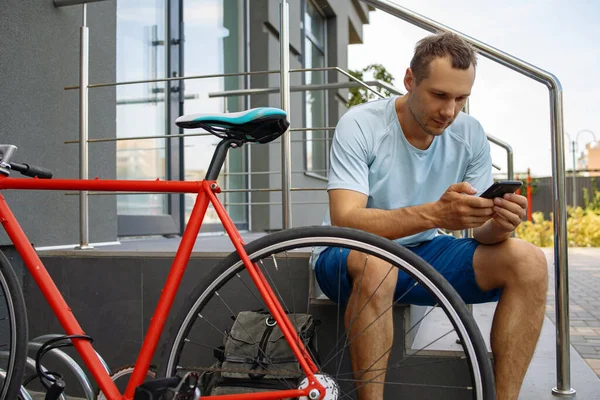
x=255 y=356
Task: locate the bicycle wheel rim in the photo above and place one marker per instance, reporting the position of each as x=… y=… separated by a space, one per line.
x=13 y=331
x=384 y=249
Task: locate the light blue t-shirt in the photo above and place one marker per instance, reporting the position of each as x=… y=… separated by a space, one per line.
x=370 y=155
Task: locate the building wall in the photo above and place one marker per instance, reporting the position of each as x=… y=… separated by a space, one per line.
x=264 y=55
x=590 y=159
x=39 y=56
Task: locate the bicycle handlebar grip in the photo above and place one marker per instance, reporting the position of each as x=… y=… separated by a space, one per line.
x=32 y=170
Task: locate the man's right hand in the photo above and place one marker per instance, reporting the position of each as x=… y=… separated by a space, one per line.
x=459 y=209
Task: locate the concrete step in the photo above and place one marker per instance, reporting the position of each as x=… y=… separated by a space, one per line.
x=541 y=376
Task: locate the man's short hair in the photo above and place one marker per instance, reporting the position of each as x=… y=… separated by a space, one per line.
x=441 y=45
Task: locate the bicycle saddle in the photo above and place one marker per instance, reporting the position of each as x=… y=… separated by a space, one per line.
x=257 y=125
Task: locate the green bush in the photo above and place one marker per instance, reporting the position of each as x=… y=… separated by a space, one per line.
x=583 y=228
x=538 y=232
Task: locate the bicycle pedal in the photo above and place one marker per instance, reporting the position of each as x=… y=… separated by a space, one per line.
x=188 y=387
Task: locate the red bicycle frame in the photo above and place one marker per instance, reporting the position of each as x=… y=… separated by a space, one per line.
x=206 y=191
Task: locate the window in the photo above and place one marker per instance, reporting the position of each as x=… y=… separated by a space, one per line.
x=213 y=30
x=141 y=108
x=149 y=47
x=317 y=141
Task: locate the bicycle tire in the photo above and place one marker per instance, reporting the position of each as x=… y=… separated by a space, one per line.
x=12 y=306
x=475 y=349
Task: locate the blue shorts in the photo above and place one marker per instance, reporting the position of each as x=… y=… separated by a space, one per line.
x=451 y=257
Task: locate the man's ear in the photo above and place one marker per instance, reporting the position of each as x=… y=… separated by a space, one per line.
x=409 y=80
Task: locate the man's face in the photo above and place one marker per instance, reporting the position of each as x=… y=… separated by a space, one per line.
x=436 y=100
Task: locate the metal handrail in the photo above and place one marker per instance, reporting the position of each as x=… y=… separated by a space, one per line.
x=64 y=3
x=510 y=170
x=563 y=384
x=305 y=88
x=285 y=141
x=178 y=78
x=284 y=82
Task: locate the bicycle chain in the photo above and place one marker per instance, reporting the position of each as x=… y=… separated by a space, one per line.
x=232 y=370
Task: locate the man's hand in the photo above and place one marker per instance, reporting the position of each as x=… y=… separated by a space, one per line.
x=458 y=209
x=509 y=211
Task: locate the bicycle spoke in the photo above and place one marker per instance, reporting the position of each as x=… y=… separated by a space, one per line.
x=420 y=320
x=387 y=369
x=250 y=356
x=396 y=368
x=258 y=298
x=375 y=320
x=274 y=287
x=427 y=385
x=337 y=322
x=234 y=315
x=353 y=309
x=223 y=294
x=289 y=270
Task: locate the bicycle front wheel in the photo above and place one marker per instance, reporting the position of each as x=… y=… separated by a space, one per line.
x=13 y=331
x=406 y=361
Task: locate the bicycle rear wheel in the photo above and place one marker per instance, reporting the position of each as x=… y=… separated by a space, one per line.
x=410 y=372
x=13 y=331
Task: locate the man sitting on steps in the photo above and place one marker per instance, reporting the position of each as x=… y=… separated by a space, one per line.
x=402 y=168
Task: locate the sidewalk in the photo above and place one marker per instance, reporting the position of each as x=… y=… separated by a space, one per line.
x=584 y=301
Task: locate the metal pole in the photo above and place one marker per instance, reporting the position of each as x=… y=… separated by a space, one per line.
x=554 y=86
x=510 y=169
x=286 y=146
x=83 y=132
x=561 y=270
x=574 y=174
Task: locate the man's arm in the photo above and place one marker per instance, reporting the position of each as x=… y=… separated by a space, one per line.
x=347 y=209
x=456 y=209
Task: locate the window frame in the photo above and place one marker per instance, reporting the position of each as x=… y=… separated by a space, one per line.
x=307 y=35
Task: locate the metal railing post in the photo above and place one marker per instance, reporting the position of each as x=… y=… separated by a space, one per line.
x=84 y=51
x=510 y=170
x=286 y=146
x=84 y=241
x=563 y=384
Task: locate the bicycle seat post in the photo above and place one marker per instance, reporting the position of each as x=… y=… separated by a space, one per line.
x=6 y=153
x=218 y=158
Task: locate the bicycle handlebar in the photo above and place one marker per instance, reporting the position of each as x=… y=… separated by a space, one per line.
x=31 y=170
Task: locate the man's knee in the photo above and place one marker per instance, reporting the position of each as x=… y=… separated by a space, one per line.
x=373 y=277
x=527 y=265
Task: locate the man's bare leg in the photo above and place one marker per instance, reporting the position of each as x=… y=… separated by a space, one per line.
x=520 y=269
x=373 y=284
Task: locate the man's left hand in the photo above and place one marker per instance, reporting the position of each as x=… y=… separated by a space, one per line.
x=509 y=211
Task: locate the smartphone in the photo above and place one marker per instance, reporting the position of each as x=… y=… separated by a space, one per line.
x=500 y=188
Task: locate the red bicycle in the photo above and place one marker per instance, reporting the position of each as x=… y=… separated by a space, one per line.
x=270 y=273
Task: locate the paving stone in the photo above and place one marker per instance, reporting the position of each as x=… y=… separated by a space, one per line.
x=584 y=331
x=592 y=356
x=576 y=322
x=584 y=302
x=594 y=364
x=583 y=349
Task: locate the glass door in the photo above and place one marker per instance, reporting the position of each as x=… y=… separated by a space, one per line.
x=213 y=36
x=170 y=38
x=141 y=111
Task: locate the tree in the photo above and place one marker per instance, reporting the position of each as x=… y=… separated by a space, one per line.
x=359 y=95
